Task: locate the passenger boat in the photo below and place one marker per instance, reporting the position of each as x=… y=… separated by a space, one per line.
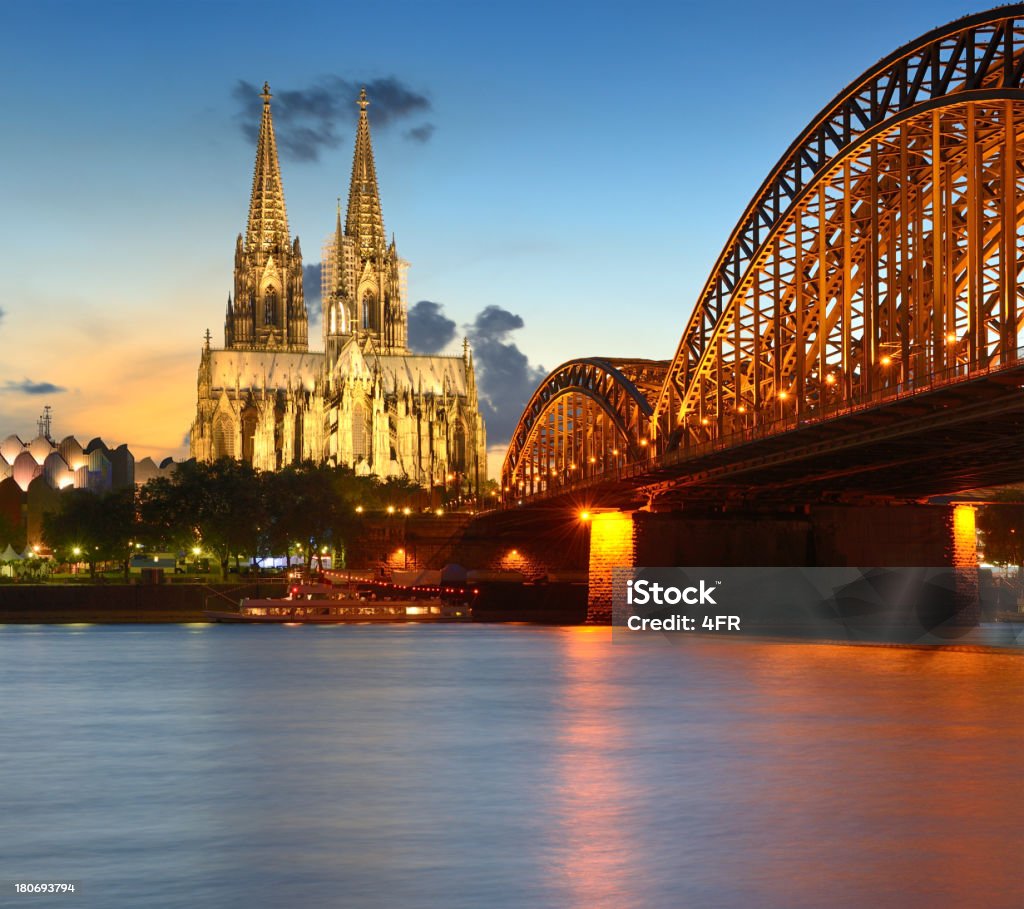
x=327 y=604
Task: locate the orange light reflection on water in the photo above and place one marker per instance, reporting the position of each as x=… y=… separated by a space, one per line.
x=591 y=865
x=887 y=771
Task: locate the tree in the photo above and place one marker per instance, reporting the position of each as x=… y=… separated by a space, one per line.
x=11 y=533
x=217 y=505
x=306 y=507
x=1002 y=529
x=93 y=528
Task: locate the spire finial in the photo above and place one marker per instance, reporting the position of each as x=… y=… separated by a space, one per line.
x=268 y=222
x=207 y=338
x=364 y=222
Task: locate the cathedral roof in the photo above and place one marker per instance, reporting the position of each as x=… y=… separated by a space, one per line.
x=265 y=368
x=268 y=221
x=429 y=374
x=364 y=222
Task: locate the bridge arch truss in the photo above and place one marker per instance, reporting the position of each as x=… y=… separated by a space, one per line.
x=588 y=418
x=883 y=254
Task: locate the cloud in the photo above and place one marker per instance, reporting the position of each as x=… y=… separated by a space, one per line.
x=317 y=117
x=2 y=314
x=311 y=293
x=421 y=133
x=28 y=387
x=505 y=377
x=430 y=331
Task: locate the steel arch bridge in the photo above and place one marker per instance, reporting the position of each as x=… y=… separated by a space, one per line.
x=587 y=418
x=881 y=257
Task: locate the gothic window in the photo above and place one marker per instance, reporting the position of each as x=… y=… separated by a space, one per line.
x=249 y=421
x=270 y=307
x=458 y=455
x=298 y=437
x=223 y=437
x=368 y=301
x=360 y=436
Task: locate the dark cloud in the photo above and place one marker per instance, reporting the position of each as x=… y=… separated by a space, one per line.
x=186 y=440
x=421 y=133
x=309 y=120
x=311 y=293
x=430 y=330
x=505 y=377
x=2 y=314
x=28 y=387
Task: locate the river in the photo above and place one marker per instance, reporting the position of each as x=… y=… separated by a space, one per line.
x=491 y=767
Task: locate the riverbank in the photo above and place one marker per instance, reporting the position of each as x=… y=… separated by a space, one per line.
x=117 y=603
x=549 y=604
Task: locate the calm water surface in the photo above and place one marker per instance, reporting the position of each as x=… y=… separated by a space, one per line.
x=490 y=767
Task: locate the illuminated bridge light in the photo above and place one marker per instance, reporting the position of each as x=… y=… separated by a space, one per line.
x=612 y=545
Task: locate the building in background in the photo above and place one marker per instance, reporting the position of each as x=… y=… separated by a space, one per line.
x=365 y=401
x=33 y=473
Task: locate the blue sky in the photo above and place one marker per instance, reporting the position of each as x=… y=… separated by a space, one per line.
x=586 y=165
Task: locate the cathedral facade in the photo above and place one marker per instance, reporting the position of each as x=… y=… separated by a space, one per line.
x=365 y=400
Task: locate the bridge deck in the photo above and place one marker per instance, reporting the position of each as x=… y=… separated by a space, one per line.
x=958 y=436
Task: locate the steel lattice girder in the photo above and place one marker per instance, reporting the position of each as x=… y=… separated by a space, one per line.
x=557 y=417
x=837 y=263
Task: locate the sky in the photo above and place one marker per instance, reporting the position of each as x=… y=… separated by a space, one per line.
x=561 y=177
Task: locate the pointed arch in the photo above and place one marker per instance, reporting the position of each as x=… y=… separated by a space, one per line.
x=360 y=433
x=250 y=420
x=223 y=437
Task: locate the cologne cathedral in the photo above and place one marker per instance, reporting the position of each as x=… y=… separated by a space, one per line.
x=365 y=401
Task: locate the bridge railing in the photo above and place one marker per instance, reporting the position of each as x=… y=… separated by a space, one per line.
x=784 y=423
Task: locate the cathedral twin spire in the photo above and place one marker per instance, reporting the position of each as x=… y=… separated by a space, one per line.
x=268 y=220
x=268 y=311
x=367 y=298
x=364 y=222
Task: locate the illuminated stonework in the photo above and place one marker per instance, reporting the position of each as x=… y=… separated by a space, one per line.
x=612 y=545
x=365 y=401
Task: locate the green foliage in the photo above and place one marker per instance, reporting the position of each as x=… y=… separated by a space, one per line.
x=490 y=493
x=33 y=569
x=102 y=528
x=11 y=534
x=228 y=509
x=218 y=506
x=1002 y=528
